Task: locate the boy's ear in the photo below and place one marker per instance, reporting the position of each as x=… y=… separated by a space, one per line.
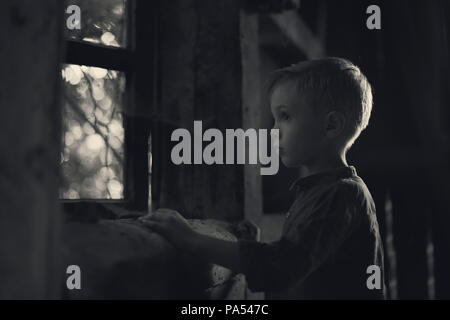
x=334 y=123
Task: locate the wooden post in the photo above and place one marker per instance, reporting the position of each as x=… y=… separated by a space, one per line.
x=30 y=145
x=251 y=113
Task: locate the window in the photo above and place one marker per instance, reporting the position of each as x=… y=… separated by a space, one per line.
x=105 y=154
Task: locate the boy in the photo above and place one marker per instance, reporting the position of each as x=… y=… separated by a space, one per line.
x=330 y=236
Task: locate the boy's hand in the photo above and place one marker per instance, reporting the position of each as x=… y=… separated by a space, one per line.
x=170 y=224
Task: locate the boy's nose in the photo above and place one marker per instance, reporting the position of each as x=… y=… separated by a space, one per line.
x=275 y=135
x=277 y=129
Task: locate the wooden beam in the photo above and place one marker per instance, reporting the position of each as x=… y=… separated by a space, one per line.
x=88 y=54
x=299 y=33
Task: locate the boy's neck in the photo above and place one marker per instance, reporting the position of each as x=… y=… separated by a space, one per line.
x=325 y=164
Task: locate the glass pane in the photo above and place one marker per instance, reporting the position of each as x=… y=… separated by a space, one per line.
x=93 y=134
x=103 y=22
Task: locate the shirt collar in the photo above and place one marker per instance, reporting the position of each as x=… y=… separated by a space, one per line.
x=325 y=176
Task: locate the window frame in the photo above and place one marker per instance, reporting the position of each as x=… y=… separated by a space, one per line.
x=139 y=51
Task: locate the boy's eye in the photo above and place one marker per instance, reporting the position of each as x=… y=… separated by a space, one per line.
x=284 y=116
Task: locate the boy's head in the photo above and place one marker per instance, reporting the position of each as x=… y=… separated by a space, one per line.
x=320 y=107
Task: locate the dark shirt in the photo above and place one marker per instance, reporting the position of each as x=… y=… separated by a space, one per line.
x=330 y=237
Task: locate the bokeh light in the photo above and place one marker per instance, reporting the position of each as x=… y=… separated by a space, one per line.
x=92 y=157
x=102 y=22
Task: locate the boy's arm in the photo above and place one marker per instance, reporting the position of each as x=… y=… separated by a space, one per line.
x=268 y=267
x=177 y=230
x=221 y=252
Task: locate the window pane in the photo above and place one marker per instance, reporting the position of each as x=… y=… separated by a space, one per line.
x=103 y=22
x=93 y=133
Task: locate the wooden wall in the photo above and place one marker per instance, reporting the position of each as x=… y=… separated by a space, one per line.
x=200 y=79
x=30 y=144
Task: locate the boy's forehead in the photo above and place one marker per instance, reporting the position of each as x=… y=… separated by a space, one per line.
x=286 y=94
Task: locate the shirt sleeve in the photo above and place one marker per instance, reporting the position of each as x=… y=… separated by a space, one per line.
x=274 y=266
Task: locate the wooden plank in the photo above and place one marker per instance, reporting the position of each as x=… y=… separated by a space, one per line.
x=251 y=110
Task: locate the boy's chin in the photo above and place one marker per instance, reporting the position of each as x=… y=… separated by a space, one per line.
x=289 y=163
